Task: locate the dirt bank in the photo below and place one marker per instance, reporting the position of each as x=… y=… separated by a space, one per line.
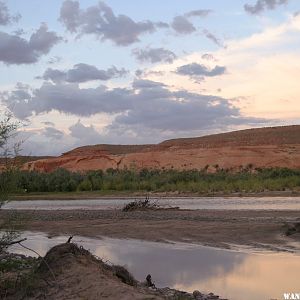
x=220 y=228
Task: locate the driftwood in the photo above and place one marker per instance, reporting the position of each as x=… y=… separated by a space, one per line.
x=7 y=244
x=140 y=205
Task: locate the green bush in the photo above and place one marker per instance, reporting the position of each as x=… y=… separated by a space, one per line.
x=85 y=185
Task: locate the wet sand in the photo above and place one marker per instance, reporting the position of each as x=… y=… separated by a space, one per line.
x=260 y=230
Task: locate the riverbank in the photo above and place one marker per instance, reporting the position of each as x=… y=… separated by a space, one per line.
x=142 y=194
x=259 y=230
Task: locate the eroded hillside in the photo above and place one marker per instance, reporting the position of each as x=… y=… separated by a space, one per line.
x=263 y=147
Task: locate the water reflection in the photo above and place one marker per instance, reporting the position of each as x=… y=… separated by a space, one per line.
x=170 y=264
x=236 y=275
x=284 y=203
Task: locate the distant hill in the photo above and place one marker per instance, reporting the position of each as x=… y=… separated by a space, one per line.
x=248 y=137
x=262 y=147
x=20 y=160
x=109 y=149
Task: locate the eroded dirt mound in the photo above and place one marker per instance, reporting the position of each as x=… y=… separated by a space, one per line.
x=263 y=147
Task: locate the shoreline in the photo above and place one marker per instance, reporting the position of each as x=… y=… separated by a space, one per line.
x=226 y=229
x=135 y=195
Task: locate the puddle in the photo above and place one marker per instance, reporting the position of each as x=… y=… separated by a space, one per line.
x=232 y=274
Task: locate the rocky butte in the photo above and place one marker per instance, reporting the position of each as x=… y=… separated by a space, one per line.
x=255 y=148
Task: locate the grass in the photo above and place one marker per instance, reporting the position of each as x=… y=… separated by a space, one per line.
x=16 y=264
x=17 y=273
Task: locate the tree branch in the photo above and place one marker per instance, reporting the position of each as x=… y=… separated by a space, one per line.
x=12 y=243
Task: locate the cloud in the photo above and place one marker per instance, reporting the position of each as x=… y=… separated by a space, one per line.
x=195 y=69
x=251 y=57
x=154 y=55
x=144 y=73
x=48 y=123
x=262 y=5
x=147 y=104
x=53 y=75
x=45 y=141
x=83 y=73
x=71 y=15
x=16 y=50
x=101 y=21
x=53 y=133
x=5 y=17
x=180 y=111
x=36 y=142
x=182 y=25
x=19 y=32
x=162 y=25
x=43 y=40
x=146 y=84
x=208 y=56
x=84 y=133
x=54 y=60
x=212 y=37
x=66 y=98
x=199 y=13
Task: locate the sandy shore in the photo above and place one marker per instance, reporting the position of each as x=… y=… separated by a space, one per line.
x=262 y=230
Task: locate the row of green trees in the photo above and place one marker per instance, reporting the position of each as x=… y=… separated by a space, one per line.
x=159 y=180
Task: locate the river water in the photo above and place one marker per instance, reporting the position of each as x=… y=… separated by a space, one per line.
x=232 y=274
x=236 y=275
x=268 y=203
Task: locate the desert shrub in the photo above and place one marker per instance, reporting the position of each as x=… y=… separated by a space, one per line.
x=85 y=185
x=123 y=274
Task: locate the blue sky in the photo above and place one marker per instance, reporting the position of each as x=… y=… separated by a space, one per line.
x=144 y=71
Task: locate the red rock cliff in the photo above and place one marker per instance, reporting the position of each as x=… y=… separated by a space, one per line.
x=263 y=147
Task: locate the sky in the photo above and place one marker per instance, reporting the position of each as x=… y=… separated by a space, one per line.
x=88 y=72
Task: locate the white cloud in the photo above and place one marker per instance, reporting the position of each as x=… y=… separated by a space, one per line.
x=262 y=71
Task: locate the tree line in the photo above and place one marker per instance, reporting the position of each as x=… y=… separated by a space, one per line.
x=61 y=180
